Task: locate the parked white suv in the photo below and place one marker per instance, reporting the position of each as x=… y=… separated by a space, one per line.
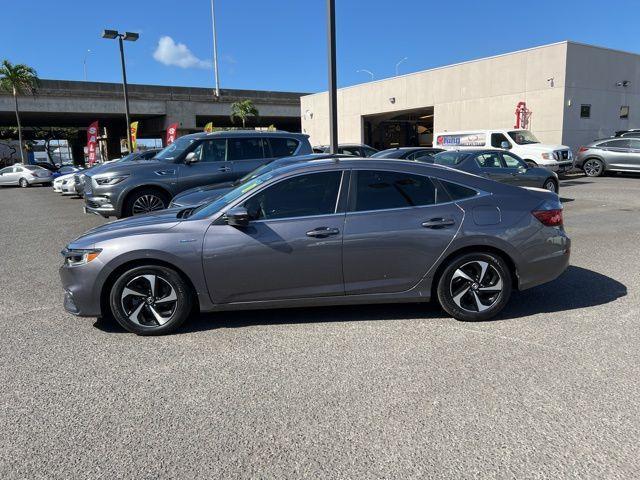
x=523 y=143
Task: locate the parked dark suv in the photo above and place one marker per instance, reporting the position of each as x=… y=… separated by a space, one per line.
x=130 y=188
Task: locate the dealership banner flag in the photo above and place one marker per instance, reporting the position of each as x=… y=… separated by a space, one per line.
x=92 y=142
x=208 y=127
x=134 y=135
x=171 y=133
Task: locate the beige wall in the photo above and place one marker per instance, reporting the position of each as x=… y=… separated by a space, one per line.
x=471 y=95
x=592 y=75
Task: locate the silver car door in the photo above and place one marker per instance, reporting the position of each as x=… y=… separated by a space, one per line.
x=632 y=159
x=291 y=248
x=394 y=231
x=617 y=153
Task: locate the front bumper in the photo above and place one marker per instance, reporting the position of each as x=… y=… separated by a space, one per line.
x=99 y=206
x=81 y=297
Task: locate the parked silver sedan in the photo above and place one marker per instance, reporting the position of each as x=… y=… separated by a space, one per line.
x=25 y=176
x=610 y=154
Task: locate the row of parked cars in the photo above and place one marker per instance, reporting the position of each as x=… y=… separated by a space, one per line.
x=245 y=220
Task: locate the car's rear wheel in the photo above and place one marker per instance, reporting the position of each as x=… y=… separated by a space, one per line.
x=145 y=201
x=475 y=286
x=593 y=167
x=23 y=183
x=151 y=300
x=551 y=185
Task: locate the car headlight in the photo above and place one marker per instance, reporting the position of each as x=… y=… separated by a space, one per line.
x=549 y=156
x=110 y=180
x=77 y=257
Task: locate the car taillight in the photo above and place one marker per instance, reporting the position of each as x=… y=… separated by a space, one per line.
x=582 y=149
x=549 y=218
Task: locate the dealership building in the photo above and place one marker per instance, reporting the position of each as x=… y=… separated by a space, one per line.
x=565 y=93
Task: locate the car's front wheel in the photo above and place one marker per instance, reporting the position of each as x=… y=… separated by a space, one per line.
x=593 y=167
x=145 y=201
x=150 y=300
x=474 y=286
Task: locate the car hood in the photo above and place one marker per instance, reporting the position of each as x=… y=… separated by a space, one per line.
x=543 y=147
x=200 y=195
x=138 y=225
x=125 y=167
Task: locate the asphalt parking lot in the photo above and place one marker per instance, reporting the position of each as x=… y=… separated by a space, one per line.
x=548 y=390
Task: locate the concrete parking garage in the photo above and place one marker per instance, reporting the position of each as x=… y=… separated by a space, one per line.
x=549 y=389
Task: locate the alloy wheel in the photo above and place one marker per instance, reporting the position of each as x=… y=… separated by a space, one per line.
x=551 y=186
x=23 y=183
x=476 y=286
x=149 y=300
x=592 y=168
x=147 y=203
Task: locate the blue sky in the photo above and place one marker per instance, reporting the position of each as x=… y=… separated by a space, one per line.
x=281 y=44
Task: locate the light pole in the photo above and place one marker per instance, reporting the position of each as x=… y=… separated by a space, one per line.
x=84 y=64
x=364 y=70
x=398 y=64
x=333 y=84
x=215 y=50
x=132 y=37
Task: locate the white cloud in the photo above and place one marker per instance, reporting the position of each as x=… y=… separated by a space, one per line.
x=168 y=52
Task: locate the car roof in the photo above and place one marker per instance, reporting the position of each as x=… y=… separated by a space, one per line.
x=245 y=133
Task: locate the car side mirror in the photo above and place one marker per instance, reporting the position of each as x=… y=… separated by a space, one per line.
x=238 y=217
x=523 y=168
x=505 y=145
x=191 y=158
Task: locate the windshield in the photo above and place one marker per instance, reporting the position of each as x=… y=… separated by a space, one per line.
x=523 y=137
x=173 y=151
x=208 y=209
x=449 y=158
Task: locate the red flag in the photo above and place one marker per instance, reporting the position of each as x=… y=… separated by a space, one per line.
x=172 y=133
x=92 y=142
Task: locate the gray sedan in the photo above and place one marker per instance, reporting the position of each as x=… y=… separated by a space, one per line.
x=611 y=154
x=25 y=175
x=504 y=167
x=328 y=232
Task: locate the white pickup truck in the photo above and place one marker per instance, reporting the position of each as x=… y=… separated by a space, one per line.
x=523 y=143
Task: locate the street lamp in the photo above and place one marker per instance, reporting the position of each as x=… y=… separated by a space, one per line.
x=364 y=70
x=215 y=50
x=131 y=37
x=333 y=81
x=398 y=64
x=84 y=64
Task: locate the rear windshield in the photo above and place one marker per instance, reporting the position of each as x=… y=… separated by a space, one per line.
x=449 y=158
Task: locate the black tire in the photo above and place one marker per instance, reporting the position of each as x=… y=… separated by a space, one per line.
x=531 y=163
x=23 y=183
x=551 y=184
x=463 y=306
x=146 y=195
x=593 y=167
x=138 y=313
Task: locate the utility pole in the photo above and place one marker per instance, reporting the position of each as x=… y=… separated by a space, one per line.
x=333 y=88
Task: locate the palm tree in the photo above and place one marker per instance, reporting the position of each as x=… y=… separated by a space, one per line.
x=243 y=109
x=18 y=80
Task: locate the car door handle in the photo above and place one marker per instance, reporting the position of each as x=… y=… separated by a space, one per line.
x=321 y=232
x=162 y=173
x=438 y=223
x=224 y=169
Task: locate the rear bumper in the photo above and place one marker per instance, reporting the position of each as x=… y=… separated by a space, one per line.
x=40 y=180
x=547 y=261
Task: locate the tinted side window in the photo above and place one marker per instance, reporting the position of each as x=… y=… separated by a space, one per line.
x=369 y=151
x=283 y=147
x=497 y=139
x=512 y=161
x=355 y=151
x=212 y=150
x=378 y=190
x=245 y=148
x=615 y=144
x=458 y=192
x=489 y=160
x=635 y=144
x=302 y=196
x=6 y=170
